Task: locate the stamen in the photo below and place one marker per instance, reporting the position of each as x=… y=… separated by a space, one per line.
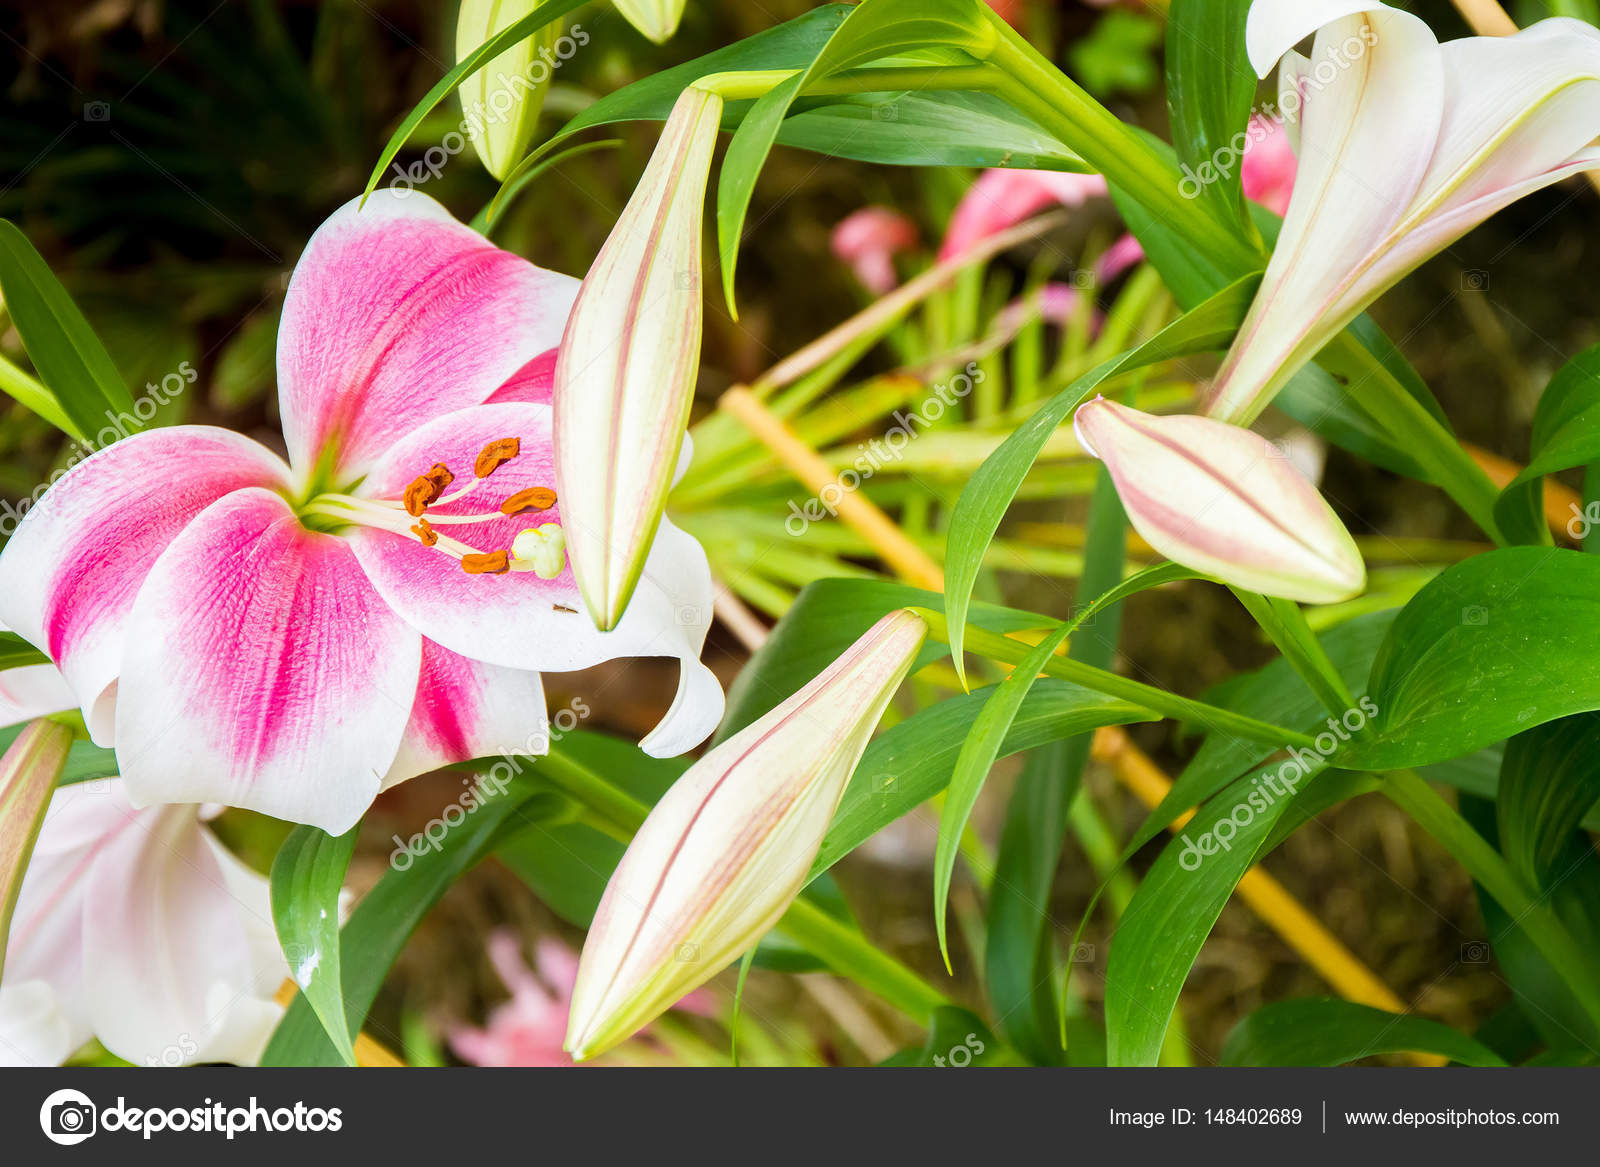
x=494 y=563
x=534 y=498
x=440 y=475
x=424 y=531
x=495 y=455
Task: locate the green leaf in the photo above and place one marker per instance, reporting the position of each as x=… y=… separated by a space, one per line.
x=1210 y=85
x=82 y=380
x=544 y=14
x=1323 y=1032
x=381 y=923
x=1020 y=960
x=1181 y=897
x=873 y=30
x=791 y=45
x=307 y=877
x=908 y=128
x=1455 y=673
x=1549 y=783
x=1285 y=624
x=988 y=493
x=956 y=1039
x=16 y=652
x=909 y=763
x=1274 y=693
x=1566 y=433
x=989 y=729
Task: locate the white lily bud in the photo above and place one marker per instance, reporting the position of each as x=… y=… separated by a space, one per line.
x=625 y=376
x=1223 y=501
x=728 y=848
x=502 y=100
x=657 y=19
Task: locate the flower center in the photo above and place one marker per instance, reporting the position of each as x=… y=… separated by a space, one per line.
x=414 y=514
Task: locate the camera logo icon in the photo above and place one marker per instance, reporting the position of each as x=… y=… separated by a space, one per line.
x=67 y=1117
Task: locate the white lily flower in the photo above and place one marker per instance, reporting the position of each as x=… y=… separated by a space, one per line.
x=1405 y=144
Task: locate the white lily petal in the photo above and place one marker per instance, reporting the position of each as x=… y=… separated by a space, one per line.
x=34 y=1031
x=1276 y=26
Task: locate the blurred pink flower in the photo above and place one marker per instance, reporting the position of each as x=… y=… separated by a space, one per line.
x=868 y=240
x=1269 y=164
x=528 y=1029
x=1003 y=198
x=1118 y=258
x=1055 y=303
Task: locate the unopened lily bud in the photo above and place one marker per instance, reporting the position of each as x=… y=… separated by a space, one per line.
x=657 y=19
x=625 y=376
x=1223 y=501
x=726 y=851
x=502 y=100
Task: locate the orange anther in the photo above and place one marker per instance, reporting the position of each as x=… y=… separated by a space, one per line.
x=495 y=455
x=535 y=498
x=494 y=563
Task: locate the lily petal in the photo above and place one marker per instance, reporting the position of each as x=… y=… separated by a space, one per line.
x=172 y=972
x=69 y=576
x=1381 y=103
x=34 y=1031
x=261 y=670
x=467 y=709
x=398 y=313
x=519 y=620
x=33 y=691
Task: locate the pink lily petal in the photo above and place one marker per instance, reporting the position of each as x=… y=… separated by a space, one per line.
x=466 y=709
x=33 y=691
x=70 y=573
x=1002 y=198
x=262 y=671
x=1118 y=258
x=518 y=620
x=398 y=313
x=1268 y=167
x=868 y=240
x=172 y=973
x=535 y=381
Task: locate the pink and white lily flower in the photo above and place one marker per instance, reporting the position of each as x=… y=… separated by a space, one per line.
x=1405 y=145
x=139 y=928
x=295 y=636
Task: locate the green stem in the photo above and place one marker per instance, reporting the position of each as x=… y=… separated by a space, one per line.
x=1407 y=790
x=835 y=943
x=1285 y=624
x=1009 y=651
x=844 y=951
x=1027 y=79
